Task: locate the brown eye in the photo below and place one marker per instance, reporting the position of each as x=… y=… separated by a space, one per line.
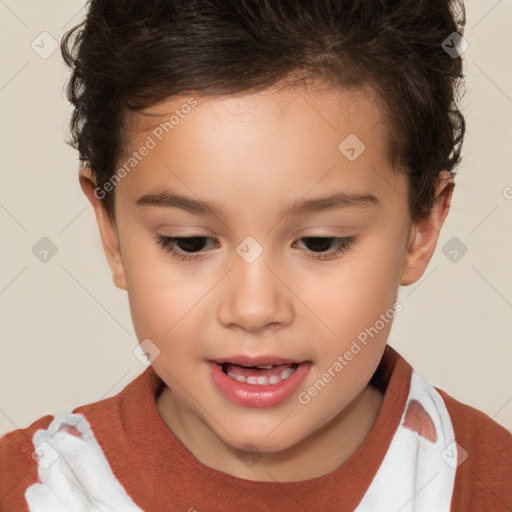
x=193 y=247
x=182 y=248
x=322 y=246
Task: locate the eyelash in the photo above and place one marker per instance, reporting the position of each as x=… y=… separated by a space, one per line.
x=344 y=244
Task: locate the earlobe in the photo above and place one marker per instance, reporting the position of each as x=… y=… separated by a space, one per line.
x=108 y=233
x=424 y=234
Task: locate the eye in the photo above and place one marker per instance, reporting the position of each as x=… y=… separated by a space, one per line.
x=189 y=244
x=320 y=246
x=190 y=248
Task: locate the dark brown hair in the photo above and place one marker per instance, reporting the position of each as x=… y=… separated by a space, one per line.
x=128 y=55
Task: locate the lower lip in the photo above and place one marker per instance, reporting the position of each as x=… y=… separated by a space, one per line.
x=254 y=395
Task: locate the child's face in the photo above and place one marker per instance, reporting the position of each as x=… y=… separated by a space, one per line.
x=256 y=289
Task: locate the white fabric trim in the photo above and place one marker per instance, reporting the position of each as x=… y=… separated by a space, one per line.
x=416 y=474
x=74 y=473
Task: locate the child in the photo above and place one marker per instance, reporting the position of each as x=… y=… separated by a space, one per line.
x=265 y=175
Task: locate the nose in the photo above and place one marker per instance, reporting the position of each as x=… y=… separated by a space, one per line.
x=255 y=297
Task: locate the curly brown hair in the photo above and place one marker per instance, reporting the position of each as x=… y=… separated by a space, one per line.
x=128 y=55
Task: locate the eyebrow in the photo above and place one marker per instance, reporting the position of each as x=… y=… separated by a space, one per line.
x=171 y=199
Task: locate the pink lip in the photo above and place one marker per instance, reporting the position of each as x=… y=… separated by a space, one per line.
x=255 y=395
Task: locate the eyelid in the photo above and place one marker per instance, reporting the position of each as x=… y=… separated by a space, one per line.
x=168 y=244
x=164 y=242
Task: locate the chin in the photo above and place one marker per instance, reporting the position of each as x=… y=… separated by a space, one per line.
x=258 y=442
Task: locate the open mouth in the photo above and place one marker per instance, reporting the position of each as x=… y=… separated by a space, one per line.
x=259 y=375
x=260 y=381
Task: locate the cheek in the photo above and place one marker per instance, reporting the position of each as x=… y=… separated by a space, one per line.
x=357 y=306
x=162 y=296
x=354 y=294
x=167 y=298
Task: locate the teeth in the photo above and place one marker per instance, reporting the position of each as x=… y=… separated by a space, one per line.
x=265 y=367
x=286 y=373
x=239 y=378
x=263 y=380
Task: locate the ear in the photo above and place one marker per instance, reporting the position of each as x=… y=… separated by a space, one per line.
x=108 y=231
x=425 y=232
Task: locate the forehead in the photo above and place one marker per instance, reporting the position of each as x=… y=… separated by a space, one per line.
x=359 y=109
x=283 y=139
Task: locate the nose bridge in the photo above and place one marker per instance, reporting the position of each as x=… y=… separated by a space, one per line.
x=255 y=297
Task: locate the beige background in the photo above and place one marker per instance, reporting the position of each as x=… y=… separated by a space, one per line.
x=66 y=335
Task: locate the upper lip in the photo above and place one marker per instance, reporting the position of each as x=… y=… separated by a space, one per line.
x=255 y=361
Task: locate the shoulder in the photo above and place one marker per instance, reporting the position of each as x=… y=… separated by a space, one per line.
x=57 y=463
x=32 y=459
x=484 y=465
x=60 y=460
x=18 y=464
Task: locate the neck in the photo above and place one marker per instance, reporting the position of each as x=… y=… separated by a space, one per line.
x=318 y=454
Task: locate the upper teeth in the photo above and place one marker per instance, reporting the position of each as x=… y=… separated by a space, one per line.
x=263 y=380
x=265 y=367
